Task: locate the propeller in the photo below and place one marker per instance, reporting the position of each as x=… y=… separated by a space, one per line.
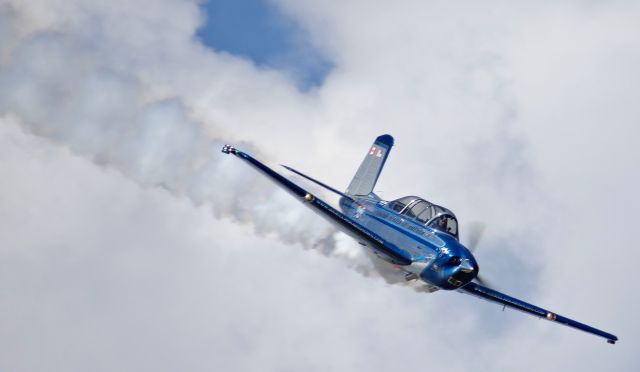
x=476 y=230
x=482 y=281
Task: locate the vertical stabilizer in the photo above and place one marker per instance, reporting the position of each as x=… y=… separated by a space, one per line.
x=369 y=171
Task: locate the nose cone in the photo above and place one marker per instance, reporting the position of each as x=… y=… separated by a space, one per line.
x=466 y=266
x=472 y=263
x=466 y=271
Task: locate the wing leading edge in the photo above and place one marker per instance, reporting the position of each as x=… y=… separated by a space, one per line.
x=337 y=218
x=508 y=301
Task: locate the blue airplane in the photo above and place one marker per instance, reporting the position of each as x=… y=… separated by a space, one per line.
x=419 y=238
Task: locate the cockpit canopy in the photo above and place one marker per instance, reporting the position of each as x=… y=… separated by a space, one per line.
x=426 y=213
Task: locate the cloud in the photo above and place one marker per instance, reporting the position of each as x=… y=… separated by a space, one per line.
x=89 y=102
x=521 y=117
x=98 y=273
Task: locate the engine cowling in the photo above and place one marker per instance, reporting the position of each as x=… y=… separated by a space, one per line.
x=450 y=271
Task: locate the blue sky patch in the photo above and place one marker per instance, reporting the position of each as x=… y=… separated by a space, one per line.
x=258 y=31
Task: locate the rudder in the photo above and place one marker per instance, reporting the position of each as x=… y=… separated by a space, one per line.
x=367 y=175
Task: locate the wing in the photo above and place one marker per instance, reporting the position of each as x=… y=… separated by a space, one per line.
x=340 y=220
x=495 y=296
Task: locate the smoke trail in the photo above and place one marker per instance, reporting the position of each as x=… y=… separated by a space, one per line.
x=59 y=85
x=103 y=115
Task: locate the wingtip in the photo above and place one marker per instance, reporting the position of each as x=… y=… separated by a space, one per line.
x=228 y=149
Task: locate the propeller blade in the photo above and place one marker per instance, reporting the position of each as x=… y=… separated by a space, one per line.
x=475 y=234
x=484 y=282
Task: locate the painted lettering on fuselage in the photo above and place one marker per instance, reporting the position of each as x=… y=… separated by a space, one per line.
x=417 y=241
x=419 y=232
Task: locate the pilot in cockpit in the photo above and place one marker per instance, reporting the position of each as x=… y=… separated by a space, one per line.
x=441 y=224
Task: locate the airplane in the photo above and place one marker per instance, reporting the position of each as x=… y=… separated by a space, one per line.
x=417 y=237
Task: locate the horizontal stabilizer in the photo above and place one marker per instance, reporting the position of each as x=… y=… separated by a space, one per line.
x=319 y=183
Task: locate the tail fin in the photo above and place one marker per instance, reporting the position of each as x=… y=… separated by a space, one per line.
x=369 y=171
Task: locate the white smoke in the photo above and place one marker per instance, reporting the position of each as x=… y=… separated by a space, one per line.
x=134 y=91
x=58 y=86
x=523 y=116
x=151 y=102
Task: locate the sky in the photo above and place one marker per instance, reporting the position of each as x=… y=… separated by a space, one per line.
x=129 y=242
x=258 y=30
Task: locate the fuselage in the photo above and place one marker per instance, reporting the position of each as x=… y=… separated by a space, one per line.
x=437 y=257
